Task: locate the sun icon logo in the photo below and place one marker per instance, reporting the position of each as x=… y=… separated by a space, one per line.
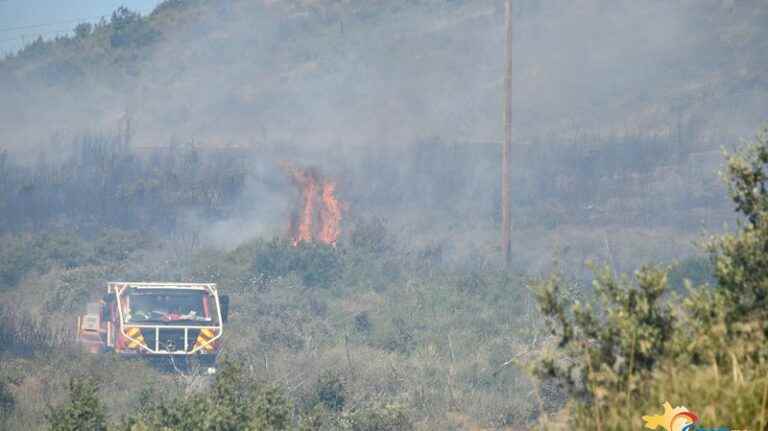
x=673 y=419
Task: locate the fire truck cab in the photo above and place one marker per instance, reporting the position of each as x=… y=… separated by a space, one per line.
x=177 y=321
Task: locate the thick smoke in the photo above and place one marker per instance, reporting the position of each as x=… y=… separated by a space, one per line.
x=362 y=89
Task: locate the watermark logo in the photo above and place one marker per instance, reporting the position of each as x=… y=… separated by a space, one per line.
x=677 y=419
x=673 y=419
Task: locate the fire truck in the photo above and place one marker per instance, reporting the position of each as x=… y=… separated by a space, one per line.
x=180 y=323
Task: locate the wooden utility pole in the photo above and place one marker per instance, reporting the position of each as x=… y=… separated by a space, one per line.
x=506 y=219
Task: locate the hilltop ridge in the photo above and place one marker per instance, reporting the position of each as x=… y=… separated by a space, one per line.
x=237 y=72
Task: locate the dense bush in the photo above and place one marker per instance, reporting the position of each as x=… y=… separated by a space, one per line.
x=740 y=260
x=6 y=402
x=371 y=236
x=15 y=260
x=21 y=334
x=233 y=402
x=639 y=348
x=698 y=270
x=129 y=29
x=83 y=411
x=329 y=392
x=616 y=347
x=22 y=254
x=375 y=418
x=316 y=264
x=103 y=183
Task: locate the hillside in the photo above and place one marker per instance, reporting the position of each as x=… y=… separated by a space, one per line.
x=319 y=67
x=334 y=81
x=167 y=146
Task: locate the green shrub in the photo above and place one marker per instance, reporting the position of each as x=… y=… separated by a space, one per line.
x=697 y=270
x=83 y=410
x=386 y=417
x=740 y=260
x=114 y=245
x=371 y=258
x=395 y=334
x=64 y=248
x=709 y=352
x=7 y=402
x=15 y=260
x=23 y=253
x=83 y=30
x=318 y=265
x=610 y=351
x=329 y=391
x=69 y=290
x=129 y=29
x=233 y=402
x=370 y=236
x=22 y=334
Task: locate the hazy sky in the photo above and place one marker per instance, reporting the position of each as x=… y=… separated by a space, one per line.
x=23 y=20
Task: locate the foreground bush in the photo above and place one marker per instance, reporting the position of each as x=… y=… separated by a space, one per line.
x=641 y=348
x=233 y=402
x=83 y=411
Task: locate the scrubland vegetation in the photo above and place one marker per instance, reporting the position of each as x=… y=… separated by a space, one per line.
x=639 y=345
x=410 y=321
x=369 y=334
x=376 y=333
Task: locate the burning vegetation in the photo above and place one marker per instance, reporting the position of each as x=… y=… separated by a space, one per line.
x=319 y=213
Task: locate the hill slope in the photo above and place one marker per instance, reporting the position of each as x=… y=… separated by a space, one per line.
x=621 y=104
x=363 y=72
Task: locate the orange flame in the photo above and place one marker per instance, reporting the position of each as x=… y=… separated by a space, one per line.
x=309 y=192
x=330 y=215
x=303 y=227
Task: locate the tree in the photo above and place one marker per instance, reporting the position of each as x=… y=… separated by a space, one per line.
x=130 y=29
x=607 y=351
x=83 y=30
x=741 y=259
x=234 y=402
x=628 y=351
x=83 y=411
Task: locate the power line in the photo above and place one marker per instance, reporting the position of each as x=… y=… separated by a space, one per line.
x=25 y=27
x=33 y=36
x=41 y=25
x=32 y=26
x=29 y=26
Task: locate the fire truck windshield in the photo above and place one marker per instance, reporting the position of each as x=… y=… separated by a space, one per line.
x=170 y=307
